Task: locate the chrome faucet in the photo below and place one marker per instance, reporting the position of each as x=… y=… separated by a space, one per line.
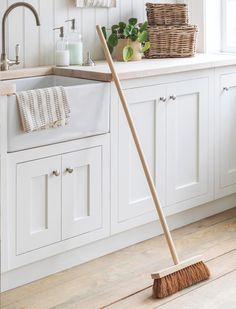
x=5 y=62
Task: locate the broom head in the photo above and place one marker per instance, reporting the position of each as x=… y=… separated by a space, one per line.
x=179 y=277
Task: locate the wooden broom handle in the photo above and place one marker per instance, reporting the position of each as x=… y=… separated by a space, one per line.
x=139 y=148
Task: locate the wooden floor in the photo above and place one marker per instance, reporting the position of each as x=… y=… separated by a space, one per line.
x=122 y=280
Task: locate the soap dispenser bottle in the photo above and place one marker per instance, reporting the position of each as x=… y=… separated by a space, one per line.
x=62 y=51
x=75 y=44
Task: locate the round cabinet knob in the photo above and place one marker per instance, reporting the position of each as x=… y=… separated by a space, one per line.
x=56 y=173
x=173 y=97
x=70 y=170
x=163 y=99
x=226 y=89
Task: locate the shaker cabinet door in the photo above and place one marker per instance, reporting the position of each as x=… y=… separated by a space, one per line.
x=38 y=204
x=188 y=144
x=133 y=205
x=225 y=135
x=81 y=192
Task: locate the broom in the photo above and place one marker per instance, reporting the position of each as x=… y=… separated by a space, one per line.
x=184 y=273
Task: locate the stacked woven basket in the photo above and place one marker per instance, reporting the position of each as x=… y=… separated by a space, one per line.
x=170 y=33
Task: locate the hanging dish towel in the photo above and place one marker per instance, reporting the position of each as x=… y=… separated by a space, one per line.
x=43 y=108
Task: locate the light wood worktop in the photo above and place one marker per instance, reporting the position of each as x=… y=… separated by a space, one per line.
x=28 y=72
x=149 y=67
x=130 y=70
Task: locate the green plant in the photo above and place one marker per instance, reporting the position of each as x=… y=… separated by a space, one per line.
x=133 y=31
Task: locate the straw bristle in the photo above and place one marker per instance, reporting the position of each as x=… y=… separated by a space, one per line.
x=180 y=280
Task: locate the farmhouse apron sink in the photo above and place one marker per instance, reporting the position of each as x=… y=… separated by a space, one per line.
x=89 y=103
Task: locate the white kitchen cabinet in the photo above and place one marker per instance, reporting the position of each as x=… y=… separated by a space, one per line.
x=173 y=122
x=187 y=142
x=81 y=192
x=186 y=123
x=38 y=203
x=225 y=180
x=58 y=202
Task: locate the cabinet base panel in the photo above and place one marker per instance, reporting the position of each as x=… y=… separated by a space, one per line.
x=52 y=265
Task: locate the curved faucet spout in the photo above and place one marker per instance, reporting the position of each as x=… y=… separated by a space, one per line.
x=5 y=15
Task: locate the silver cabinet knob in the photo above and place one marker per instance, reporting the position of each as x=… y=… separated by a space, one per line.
x=56 y=173
x=70 y=170
x=163 y=99
x=173 y=97
x=226 y=89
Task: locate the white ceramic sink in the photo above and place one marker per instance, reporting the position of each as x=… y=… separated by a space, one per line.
x=89 y=102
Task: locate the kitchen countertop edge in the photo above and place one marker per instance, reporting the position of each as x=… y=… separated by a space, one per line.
x=126 y=71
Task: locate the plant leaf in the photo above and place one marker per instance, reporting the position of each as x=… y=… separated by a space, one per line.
x=112 y=40
x=143 y=37
x=122 y=25
x=144 y=26
x=134 y=31
x=128 y=30
x=127 y=53
x=104 y=31
x=146 y=46
x=114 y=28
x=133 y=21
x=121 y=33
x=134 y=37
x=111 y=48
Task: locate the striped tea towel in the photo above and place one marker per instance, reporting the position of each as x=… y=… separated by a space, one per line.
x=43 y=108
x=96 y=3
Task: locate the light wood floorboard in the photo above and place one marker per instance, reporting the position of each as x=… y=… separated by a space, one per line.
x=219 y=267
x=218 y=294
x=109 y=281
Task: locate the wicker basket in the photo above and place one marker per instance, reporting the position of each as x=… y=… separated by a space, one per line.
x=167 y=14
x=172 y=41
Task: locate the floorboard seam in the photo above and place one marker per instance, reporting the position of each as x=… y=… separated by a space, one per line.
x=125 y=297
x=197 y=287
x=130 y=295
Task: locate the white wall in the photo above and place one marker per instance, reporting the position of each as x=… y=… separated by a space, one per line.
x=38 y=43
x=197 y=16
x=213 y=26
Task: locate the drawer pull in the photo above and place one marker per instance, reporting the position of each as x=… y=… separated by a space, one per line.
x=226 y=89
x=163 y=99
x=173 y=97
x=70 y=170
x=56 y=173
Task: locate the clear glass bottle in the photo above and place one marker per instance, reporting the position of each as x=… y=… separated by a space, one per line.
x=75 y=44
x=62 y=53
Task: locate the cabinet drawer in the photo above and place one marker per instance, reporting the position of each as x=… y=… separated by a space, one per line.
x=38 y=204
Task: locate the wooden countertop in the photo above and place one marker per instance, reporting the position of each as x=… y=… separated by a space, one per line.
x=130 y=70
x=28 y=72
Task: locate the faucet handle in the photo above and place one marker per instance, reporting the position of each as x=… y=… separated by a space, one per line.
x=17 y=53
x=16 y=61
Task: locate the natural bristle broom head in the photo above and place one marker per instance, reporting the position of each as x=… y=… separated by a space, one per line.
x=180 y=280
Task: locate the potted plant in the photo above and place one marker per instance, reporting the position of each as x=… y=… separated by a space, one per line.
x=128 y=41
